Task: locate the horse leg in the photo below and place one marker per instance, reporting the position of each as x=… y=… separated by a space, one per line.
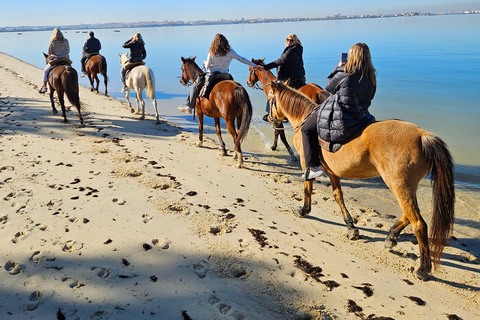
x=98 y=83
x=90 y=78
x=407 y=200
x=391 y=240
x=200 y=127
x=62 y=104
x=219 y=135
x=154 y=102
x=352 y=231
x=140 y=102
x=307 y=199
x=105 y=80
x=127 y=96
x=52 y=91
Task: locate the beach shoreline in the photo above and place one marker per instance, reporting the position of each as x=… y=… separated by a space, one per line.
x=126 y=219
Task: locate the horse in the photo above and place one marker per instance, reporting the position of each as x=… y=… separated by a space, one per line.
x=64 y=80
x=311 y=90
x=96 y=64
x=140 y=77
x=227 y=100
x=398 y=151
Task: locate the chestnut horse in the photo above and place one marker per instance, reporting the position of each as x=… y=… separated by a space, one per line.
x=311 y=90
x=64 y=80
x=97 y=64
x=140 y=78
x=227 y=100
x=398 y=151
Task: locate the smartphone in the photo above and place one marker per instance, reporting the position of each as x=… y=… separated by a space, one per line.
x=344 y=57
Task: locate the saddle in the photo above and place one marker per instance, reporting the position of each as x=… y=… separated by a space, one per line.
x=88 y=56
x=57 y=63
x=211 y=81
x=129 y=67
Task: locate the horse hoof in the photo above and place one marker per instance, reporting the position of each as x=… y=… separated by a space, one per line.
x=142 y=118
x=273 y=148
x=422 y=275
x=199 y=143
x=239 y=166
x=300 y=213
x=55 y=111
x=353 y=234
x=390 y=243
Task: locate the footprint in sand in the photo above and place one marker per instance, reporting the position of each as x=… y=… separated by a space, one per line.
x=43 y=227
x=73 y=219
x=225 y=309
x=13 y=267
x=36 y=257
x=34 y=300
x=101 y=315
x=104 y=273
x=18 y=237
x=162 y=244
x=72 y=283
x=3 y=219
x=72 y=245
x=200 y=269
x=120 y=202
x=146 y=218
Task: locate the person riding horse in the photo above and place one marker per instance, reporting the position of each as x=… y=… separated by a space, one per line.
x=220 y=55
x=137 y=54
x=90 y=48
x=58 y=48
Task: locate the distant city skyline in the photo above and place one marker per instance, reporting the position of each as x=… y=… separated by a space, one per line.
x=53 y=13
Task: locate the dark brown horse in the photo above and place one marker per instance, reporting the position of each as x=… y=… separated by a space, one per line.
x=311 y=90
x=97 y=64
x=64 y=80
x=227 y=100
x=398 y=151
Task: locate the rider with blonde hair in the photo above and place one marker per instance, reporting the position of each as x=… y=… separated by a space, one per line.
x=342 y=115
x=220 y=55
x=137 y=54
x=57 y=48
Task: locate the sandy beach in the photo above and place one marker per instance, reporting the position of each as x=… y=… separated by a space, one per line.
x=128 y=219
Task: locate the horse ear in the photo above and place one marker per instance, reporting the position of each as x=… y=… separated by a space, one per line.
x=194 y=58
x=263 y=60
x=183 y=59
x=119 y=55
x=44 y=54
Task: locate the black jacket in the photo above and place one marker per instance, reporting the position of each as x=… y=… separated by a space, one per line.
x=137 y=50
x=290 y=63
x=92 y=45
x=345 y=112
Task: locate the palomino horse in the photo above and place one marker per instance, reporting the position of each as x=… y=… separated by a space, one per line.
x=311 y=90
x=97 y=64
x=401 y=153
x=64 y=80
x=227 y=100
x=140 y=77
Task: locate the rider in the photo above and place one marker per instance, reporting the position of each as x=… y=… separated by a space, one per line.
x=345 y=112
x=57 y=48
x=219 y=57
x=137 y=54
x=289 y=65
x=90 y=48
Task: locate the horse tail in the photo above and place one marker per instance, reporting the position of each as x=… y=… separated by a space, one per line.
x=70 y=85
x=104 y=66
x=150 y=82
x=242 y=99
x=441 y=227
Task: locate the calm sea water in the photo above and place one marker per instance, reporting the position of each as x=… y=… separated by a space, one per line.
x=428 y=73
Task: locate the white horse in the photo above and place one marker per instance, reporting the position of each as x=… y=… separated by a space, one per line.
x=140 y=77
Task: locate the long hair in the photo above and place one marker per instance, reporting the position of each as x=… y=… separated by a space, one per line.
x=57 y=35
x=294 y=37
x=219 y=45
x=360 y=62
x=137 y=37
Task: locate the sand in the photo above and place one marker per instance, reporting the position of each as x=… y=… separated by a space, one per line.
x=128 y=219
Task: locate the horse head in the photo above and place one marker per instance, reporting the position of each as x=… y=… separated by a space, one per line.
x=274 y=116
x=190 y=71
x=123 y=58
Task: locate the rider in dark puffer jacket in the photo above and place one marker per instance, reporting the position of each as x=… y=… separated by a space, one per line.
x=345 y=112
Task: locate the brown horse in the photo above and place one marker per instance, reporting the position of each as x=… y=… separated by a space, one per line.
x=227 y=100
x=64 y=80
x=311 y=90
x=97 y=64
x=401 y=153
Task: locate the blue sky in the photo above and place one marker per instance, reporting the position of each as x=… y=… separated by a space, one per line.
x=64 y=12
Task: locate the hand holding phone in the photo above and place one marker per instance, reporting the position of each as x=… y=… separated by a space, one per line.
x=344 y=58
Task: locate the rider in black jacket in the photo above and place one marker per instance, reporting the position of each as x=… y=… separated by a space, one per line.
x=137 y=54
x=90 y=48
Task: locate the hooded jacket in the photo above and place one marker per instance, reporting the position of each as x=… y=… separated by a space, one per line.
x=137 y=50
x=345 y=112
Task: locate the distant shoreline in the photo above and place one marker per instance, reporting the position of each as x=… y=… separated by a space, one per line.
x=180 y=23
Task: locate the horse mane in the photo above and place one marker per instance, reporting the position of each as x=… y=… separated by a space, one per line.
x=299 y=104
